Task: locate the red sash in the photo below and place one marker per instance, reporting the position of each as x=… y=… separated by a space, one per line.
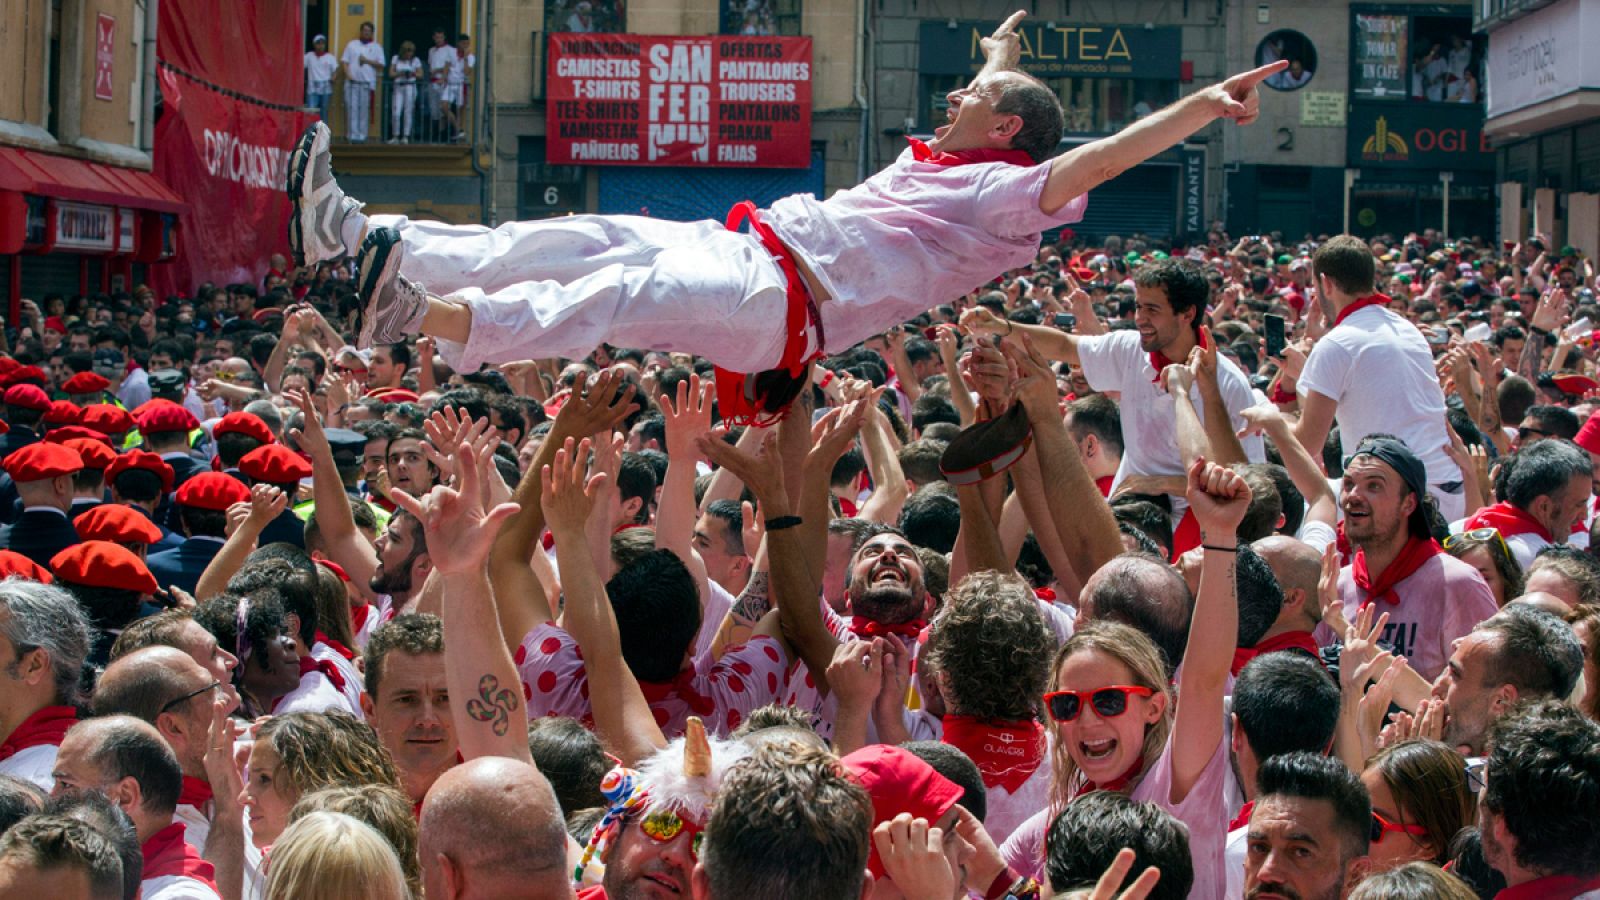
x=46 y=726
x=1159 y=361
x=196 y=792
x=1412 y=556
x=1186 y=536
x=1550 y=887
x=921 y=152
x=1007 y=753
x=1289 y=640
x=1363 y=303
x=1509 y=521
x=167 y=853
x=866 y=628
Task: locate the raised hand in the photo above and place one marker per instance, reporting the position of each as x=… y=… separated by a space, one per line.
x=310 y=436
x=458 y=529
x=1035 y=385
x=687 y=416
x=1178 y=378
x=567 y=492
x=266 y=504
x=856 y=674
x=1002 y=51
x=1219 y=498
x=912 y=852
x=833 y=434
x=1117 y=872
x=1238 y=98
x=987 y=371
x=761 y=471
x=608 y=401
x=1260 y=419
x=981 y=320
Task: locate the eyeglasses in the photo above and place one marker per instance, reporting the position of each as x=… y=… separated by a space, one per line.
x=1382 y=826
x=1524 y=431
x=1108 y=702
x=1480 y=535
x=167 y=707
x=663 y=825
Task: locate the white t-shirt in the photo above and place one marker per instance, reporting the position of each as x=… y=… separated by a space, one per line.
x=1115 y=362
x=1378 y=368
x=406 y=70
x=175 y=887
x=440 y=59
x=196 y=824
x=458 y=72
x=36 y=764
x=357 y=50
x=320 y=67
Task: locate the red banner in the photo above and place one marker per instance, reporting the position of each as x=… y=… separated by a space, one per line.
x=629 y=99
x=231 y=86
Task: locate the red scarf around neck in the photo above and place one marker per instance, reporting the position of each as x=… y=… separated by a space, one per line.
x=309 y=664
x=1007 y=753
x=1243 y=818
x=1509 y=520
x=682 y=686
x=1412 y=556
x=358 y=616
x=196 y=792
x=1289 y=640
x=46 y=726
x=167 y=853
x=921 y=152
x=1363 y=303
x=336 y=647
x=1159 y=361
x=867 y=628
x=1118 y=783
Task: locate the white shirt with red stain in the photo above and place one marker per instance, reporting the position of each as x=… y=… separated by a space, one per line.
x=744 y=678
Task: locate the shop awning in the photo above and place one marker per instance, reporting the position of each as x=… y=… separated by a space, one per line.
x=65 y=178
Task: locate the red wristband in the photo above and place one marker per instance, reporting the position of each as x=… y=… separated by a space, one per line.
x=1001 y=884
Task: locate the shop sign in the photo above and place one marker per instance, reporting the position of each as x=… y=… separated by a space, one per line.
x=1543 y=55
x=1431 y=136
x=105 y=54
x=1322 y=109
x=1193 y=212
x=81 y=226
x=1057 y=49
x=1378 y=70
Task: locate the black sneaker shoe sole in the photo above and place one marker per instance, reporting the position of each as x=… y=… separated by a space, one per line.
x=299 y=161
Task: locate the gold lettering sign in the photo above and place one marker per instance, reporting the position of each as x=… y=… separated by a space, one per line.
x=1039 y=43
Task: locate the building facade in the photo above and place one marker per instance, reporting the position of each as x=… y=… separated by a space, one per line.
x=79 y=210
x=1544 y=117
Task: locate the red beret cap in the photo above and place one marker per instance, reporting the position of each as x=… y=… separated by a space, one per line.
x=13 y=563
x=27 y=396
x=212 y=490
x=106 y=418
x=168 y=417
x=103 y=564
x=244 y=423
x=118 y=524
x=143 y=459
x=274 y=464
x=86 y=383
x=36 y=462
x=95 y=454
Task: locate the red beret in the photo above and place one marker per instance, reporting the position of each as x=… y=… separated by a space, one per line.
x=1589 y=435
x=26 y=375
x=138 y=411
x=103 y=564
x=118 y=524
x=86 y=383
x=63 y=412
x=168 y=417
x=106 y=418
x=37 y=462
x=274 y=464
x=4 y=428
x=248 y=424
x=15 y=564
x=63 y=433
x=143 y=459
x=7 y=366
x=96 y=455
x=27 y=396
x=393 y=395
x=212 y=490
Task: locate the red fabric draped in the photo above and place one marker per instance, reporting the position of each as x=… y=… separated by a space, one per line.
x=1416 y=552
x=1007 y=753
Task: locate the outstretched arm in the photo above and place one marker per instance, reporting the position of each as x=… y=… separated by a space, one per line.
x=1075 y=172
x=346 y=545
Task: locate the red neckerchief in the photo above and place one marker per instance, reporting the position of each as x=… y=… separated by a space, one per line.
x=1117 y=783
x=866 y=628
x=1103 y=483
x=548 y=541
x=1243 y=818
x=1341 y=542
x=309 y=664
x=336 y=647
x=167 y=853
x=46 y=726
x=1363 y=303
x=1416 y=552
x=682 y=687
x=921 y=152
x=847 y=507
x=196 y=792
x=358 y=616
x=1186 y=536
x=1007 y=753
x=1048 y=595
x=1289 y=640
x=1159 y=361
x=1550 y=887
x=1509 y=521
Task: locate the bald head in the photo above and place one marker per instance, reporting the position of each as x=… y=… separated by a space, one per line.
x=144 y=681
x=1146 y=593
x=492 y=828
x=1543 y=600
x=1294 y=562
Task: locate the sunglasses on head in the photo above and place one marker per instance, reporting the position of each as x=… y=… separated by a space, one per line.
x=1524 y=431
x=1108 y=702
x=663 y=825
x=1382 y=826
x=1481 y=535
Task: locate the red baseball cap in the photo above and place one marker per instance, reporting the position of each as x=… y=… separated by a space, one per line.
x=118 y=524
x=85 y=383
x=143 y=459
x=248 y=424
x=36 y=462
x=167 y=418
x=96 y=455
x=274 y=464
x=27 y=396
x=899 y=782
x=103 y=564
x=212 y=490
x=106 y=418
x=13 y=563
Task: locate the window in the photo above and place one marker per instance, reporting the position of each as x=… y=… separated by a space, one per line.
x=761 y=17
x=1294 y=47
x=591 y=16
x=1419 y=59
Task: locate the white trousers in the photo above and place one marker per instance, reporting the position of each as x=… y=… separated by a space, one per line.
x=357 y=109
x=561 y=287
x=405 y=104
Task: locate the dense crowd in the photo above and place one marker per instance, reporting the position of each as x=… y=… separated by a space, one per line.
x=686 y=658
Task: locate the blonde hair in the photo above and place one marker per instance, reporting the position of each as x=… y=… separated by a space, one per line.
x=317 y=750
x=384 y=808
x=1133 y=649
x=331 y=856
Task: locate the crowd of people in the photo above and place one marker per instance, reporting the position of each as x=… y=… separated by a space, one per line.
x=1212 y=569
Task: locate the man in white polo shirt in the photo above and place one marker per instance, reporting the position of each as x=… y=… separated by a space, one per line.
x=363 y=64
x=1373 y=371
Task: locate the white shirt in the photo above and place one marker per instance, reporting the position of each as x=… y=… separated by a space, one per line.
x=459 y=70
x=358 y=50
x=1378 y=368
x=353 y=682
x=135 y=389
x=320 y=67
x=316 y=693
x=1115 y=362
x=406 y=70
x=174 y=887
x=196 y=824
x=440 y=59
x=36 y=764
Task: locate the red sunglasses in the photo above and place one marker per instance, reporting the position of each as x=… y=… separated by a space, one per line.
x=1108 y=702
x=1382 y=826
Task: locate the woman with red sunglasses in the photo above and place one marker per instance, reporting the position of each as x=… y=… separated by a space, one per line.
x=1420 y=801
x=1118 y=725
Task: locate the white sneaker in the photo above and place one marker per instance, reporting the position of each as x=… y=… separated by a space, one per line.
x=319 y=205
x=392 y=305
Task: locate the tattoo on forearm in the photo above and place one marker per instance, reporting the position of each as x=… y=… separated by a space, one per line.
x=756 y=600
x=1532 y=353
x=494 y=704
